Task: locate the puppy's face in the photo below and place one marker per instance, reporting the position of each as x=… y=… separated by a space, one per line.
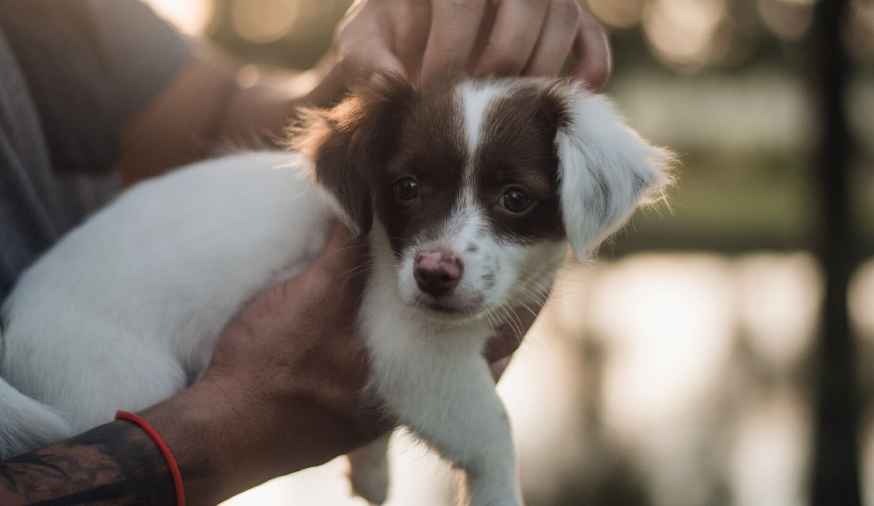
x=470 y=190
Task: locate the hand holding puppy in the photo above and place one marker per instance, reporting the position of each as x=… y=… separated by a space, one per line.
x=421 y=39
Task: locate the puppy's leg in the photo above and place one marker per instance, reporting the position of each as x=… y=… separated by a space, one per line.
x=369 y=470
x=467 y=424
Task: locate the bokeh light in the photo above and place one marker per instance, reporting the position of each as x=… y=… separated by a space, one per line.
x=859 y=30
x=778 y=306
x=769 y=452
x=788 y=19
x=263 y=21
x=617 y=13
x=687 y=34
x=189 y=16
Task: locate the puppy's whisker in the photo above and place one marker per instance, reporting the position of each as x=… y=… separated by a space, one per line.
x=351 y=273
x=491 y=324
x=539 y=295
x=517 y=328
x=359 y=269
x=523 y=304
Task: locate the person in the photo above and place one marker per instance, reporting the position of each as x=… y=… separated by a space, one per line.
x=97 y=94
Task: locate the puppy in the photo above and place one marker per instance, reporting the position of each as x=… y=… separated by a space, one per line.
x=469 y=194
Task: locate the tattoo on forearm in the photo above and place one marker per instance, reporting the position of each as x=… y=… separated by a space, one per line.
x=115 y=463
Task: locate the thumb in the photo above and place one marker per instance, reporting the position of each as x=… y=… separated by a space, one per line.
x=341 y=263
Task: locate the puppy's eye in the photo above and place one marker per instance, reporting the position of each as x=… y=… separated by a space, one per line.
x=407 y=188
x=515 y=200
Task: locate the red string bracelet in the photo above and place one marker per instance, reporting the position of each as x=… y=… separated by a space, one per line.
x=165 y=450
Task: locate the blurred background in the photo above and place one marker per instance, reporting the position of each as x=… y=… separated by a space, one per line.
x=718 y=353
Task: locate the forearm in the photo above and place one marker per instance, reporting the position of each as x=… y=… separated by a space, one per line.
x=223 y=440
x=220 y=446
x=117 y=463
x=225 y=437
x=214 y=103
x=267 y=99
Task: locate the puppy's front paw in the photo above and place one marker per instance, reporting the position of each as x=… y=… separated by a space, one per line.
x=370 y=482
x=368 y=471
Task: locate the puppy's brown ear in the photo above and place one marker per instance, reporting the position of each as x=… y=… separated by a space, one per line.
x=350 y=142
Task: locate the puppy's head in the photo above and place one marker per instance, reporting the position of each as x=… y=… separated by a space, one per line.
x=470 y=190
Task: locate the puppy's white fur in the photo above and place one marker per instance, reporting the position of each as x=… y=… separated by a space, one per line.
x=125 y=310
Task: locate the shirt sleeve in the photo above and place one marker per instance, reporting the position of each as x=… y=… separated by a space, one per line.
x=90 y=65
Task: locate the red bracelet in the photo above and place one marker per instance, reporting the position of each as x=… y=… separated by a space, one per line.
x=165 y=450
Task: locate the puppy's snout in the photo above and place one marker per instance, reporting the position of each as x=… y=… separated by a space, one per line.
x=437 y=272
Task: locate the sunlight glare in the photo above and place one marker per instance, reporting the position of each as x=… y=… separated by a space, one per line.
x=779 y=298
x=668 y=320
x=683 y=33
x=326 y=484
x=263 y=21
x=768 y=453
x=617 y=13
x=189 y=16
x=788 y=19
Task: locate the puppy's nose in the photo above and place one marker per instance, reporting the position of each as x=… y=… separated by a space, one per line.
x=437 y=272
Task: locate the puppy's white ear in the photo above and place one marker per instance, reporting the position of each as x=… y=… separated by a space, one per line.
x=606 y=170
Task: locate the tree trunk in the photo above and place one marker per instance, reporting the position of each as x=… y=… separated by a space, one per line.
x=836 y=450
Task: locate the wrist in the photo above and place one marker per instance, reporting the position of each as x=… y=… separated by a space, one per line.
x=223 y=438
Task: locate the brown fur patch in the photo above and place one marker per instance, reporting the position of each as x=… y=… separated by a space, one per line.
x=430 y=148
x=518 y=149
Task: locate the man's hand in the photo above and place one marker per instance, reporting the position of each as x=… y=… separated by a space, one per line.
x=293 y=348
x=424 y=39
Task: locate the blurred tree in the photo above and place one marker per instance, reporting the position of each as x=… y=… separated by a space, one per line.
x=836 y=445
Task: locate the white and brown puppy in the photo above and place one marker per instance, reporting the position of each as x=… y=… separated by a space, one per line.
x=468 y=192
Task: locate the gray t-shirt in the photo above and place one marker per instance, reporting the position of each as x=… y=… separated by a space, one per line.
x=72 y=73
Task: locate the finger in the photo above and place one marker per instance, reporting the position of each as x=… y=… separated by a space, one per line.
x=454 y=27
x=591 y=51
x=367 y=58
x=411 y=20
x=556 y=39
x=366 y=48
x=514 y=35
x=335 y=279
